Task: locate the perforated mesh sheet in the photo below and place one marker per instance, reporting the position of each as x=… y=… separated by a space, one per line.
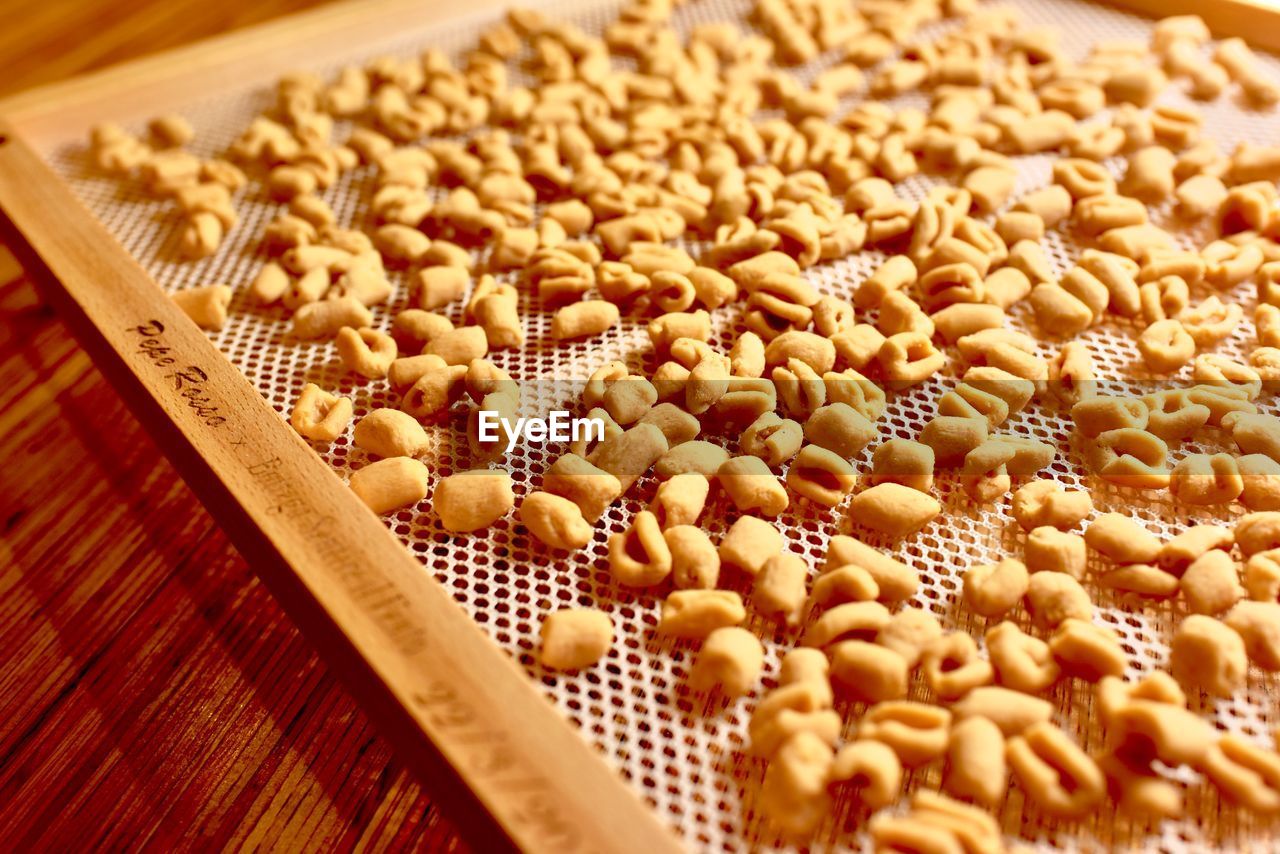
x=684 y=757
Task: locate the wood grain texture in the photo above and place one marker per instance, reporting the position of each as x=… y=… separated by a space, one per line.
x=151 y=690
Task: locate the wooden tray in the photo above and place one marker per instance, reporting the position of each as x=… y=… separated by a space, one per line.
x=468 y=719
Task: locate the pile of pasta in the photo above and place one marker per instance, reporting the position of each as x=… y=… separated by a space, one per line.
x=670 y=180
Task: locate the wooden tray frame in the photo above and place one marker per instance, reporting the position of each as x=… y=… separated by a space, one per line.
x=466 y=718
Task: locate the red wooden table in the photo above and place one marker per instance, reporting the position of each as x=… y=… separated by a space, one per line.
x=151 y=691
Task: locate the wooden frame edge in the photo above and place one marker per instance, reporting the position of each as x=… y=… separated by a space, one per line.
x=1255 y=22
x=157 y=82
x=458 y=706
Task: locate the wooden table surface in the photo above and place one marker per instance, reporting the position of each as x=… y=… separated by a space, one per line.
x=151 y=690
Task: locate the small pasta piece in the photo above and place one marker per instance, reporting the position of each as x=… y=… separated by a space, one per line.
x=413 y=328
x=1258 y=624
x=1020 y=661
x=1088 y=651
x=893 y=509
x=319 y=415
x=956 y=321
x=822 y=476
x=991 y=590
x=206 y=305
x=575 y=638
x=1056 y=774
x=555 y=521
x=390 y=433
x=893 y=275
x=473 y=500
x=679 y=501
x=1262 y=576
x=794 y=792
x=1173 y=417
x=1122 y=540
x=800 y=388
x=1051 y=550
x=459 y=346
x=270 y=285
x=171 y=131
x=440 y=285
x=1045 y=502
x=774 y=440
x=1254 y=433
x=1247 y=773
x=953 y=437
x=1160 y=728
x=1083 y=178
x=1058 y=311
x=307 y=288
x=1150 y=174
x=1203 y=479
x=752 y=486
x=695 y=563
x=583 y=320
x=693 y=456
x=202 y=235
x=1257 y=532
x=868 y=672
x=916 y=732
x=1142 y=579
x=908 y=633
x=496 y=314
x=846 y=584
x=1053 y=597
x=1208 y=655
x=366 y=351
x=903 y=461
x=665 y=329
x=729 y=661
x=1011 y=711
x=1098 y=415
x=639 y=557
x=630 y=453
x=747 y=358
x=976 y=766
x=1130 y=457
x=952 y=667
x=324 y=318
x=848 y=621
x=1199 y=196
x=391 y=484
x=433 y=385
x=693 y=614
x=780 y=588
x=871 y=769
x=628 y=399
x=839 y=428
x=1211 y=584
x=896 y=580
x=1051 y=204
x=1181 y=551
x=909 y=358
x=991 y=186
x=749 y=543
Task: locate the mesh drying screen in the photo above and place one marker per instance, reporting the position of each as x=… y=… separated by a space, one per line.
x=683 y=757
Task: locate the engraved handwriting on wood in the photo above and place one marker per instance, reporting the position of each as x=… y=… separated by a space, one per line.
x=387 y=605
x=489 y=754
